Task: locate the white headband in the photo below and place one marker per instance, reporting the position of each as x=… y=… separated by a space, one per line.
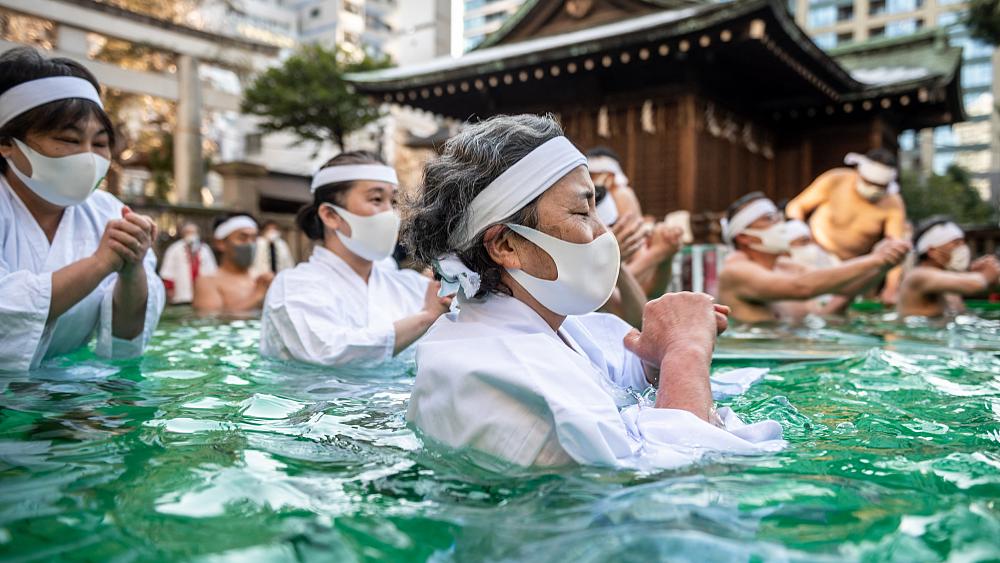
x=352 y=172
x=796 y=229
x=231 y=225
x=939 y=235
x=527 y=179
x=871 y=171
x=745 y=217
x=29 y=95
x=607 y=165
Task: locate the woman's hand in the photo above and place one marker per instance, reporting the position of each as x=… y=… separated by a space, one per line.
x=631 y=233
x=677 y=321
x=436 y=306
x=131 y=237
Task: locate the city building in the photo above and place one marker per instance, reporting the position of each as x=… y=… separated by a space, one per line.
x=973 y=144
x=702 y=100
x=482 y=17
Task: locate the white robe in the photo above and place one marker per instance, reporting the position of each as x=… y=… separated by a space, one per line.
x=496 y=379
x=176 y=269
x=322 y=312
x=27 y=262
x=262 y=257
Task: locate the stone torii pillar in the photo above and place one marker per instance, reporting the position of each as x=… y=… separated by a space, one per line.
x=188 y=162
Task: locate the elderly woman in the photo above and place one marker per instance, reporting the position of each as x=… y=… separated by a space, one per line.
x=525 y=372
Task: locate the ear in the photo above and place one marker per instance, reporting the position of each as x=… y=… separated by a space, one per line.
x=219 y=245
x=501 y=246
x=6 y=147
x=329 y=217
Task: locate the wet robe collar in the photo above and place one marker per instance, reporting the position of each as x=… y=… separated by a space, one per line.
x=353 y=172
x=34 y=93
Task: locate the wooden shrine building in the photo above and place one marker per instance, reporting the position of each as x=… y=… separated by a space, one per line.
x=704 y=102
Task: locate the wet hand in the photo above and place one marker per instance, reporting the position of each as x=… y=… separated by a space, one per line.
x=677 y=321
x=891 y=252
x=434 y=305
x=132 y=236
x=989 y=267
x=665 y=240
x=631 y=233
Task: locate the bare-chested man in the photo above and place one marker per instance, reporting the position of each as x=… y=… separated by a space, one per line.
x=233 y=290
x=943 y=274
x=851 y=209
x=751 y=282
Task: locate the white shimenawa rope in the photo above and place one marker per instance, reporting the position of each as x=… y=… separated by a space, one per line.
x=939 y=235
x=232 y=225
x=352 y=172
x=29 y=95
x=745 y=217
x=510 y=192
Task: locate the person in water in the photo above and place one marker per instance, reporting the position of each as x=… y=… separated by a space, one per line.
x=851 y=209
x=349 y=304
x=183 y=263
x=751 y=281
x=944 y=272
x=233 y=289
x=273 y=254
x=74 y=261
x=524 y=371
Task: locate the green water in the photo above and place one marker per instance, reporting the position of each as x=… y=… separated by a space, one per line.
x=202 y=451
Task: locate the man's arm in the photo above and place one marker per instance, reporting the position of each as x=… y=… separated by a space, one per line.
x=895 y=227
x=942 y=281
x=812 y=197
x=756 y=283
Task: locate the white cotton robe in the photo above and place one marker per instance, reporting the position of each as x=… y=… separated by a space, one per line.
x=496 y=379
x=27 y=262
x=322 y=312
x=176 y=269
x=262 y=258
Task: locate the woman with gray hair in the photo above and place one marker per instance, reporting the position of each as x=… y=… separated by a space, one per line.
x=525 y=372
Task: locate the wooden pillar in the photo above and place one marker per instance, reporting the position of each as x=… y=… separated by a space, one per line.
x=687 y=153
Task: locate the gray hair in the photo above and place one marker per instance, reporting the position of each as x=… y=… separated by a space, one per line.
x=469 y=162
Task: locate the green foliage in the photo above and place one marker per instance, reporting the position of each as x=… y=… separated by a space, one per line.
x=950 y=194
x=984 y=20
x=308 y=96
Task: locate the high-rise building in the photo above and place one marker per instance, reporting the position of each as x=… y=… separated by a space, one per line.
x=973 y=144
x=483 y=17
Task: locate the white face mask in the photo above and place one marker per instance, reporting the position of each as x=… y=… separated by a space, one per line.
x=870 y=192
x=773 y=240
x=65 y=180
x=193 y=240
x=586 y=274
x=373 y=237
x=811 y=255
x=607 y=210
x=960 y=259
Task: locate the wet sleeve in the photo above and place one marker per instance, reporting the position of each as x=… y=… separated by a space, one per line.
x=300 y=326
x=110 y=346
x=24 y=308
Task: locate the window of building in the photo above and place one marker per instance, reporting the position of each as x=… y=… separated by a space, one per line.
x=977 y=74
x=876 y=32
x=972 y=48
x=978 y=103
x=947 y=2
x=902 y=27
x=253 y=143
x=944 y=137
x=315 y=12
x=352 y=38
x=826 y=40
x=901 y=6
x=845 y=37
x=876 y=7
x=942 y=160
x=845 y=13
x=950 y=18
x=822 y=17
